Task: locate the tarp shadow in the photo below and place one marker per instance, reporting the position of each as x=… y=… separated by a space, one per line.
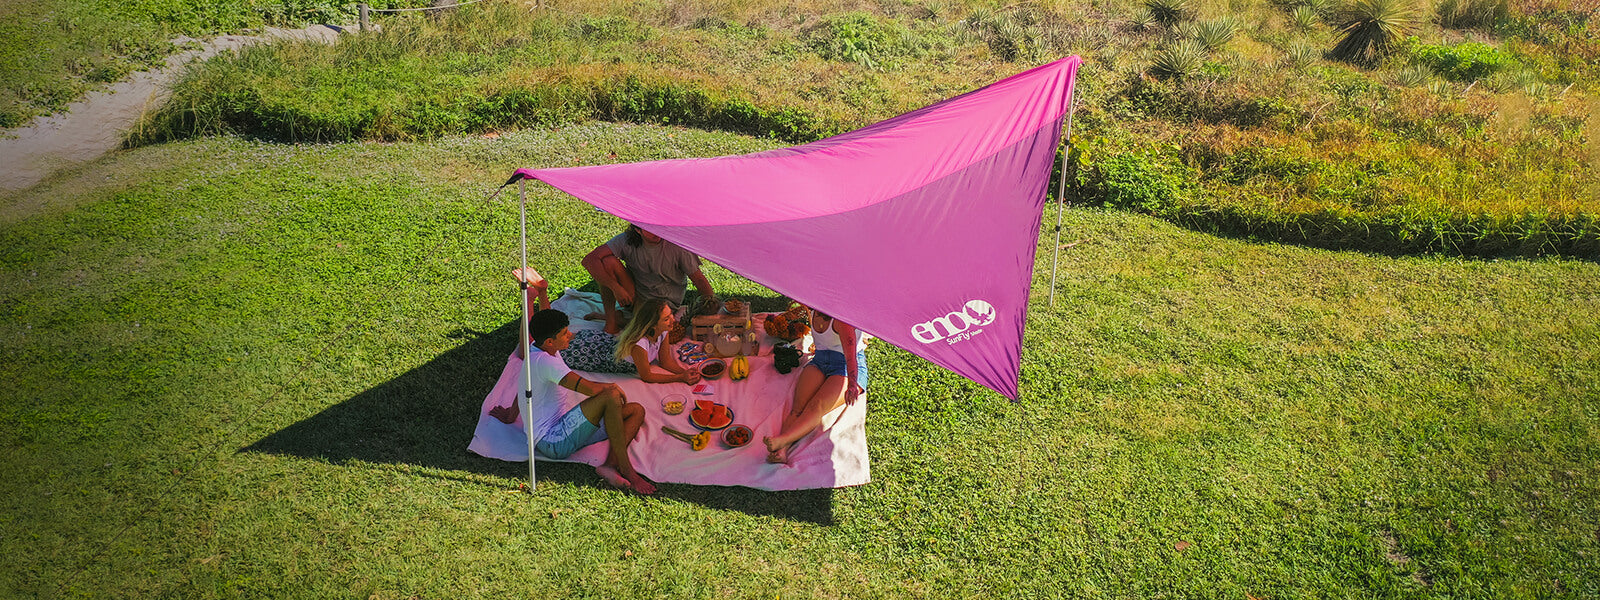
x=425 y=418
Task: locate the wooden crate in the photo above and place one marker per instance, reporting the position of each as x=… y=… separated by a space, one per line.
x=701 y=327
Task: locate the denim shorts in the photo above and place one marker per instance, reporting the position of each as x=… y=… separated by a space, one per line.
x=832 y=363
x=572 y=432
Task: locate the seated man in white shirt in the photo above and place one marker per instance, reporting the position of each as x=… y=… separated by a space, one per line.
x=604 y=415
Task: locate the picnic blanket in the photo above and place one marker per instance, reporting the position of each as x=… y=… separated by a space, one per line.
x=836 y=456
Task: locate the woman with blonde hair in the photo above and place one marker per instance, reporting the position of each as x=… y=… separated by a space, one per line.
x=646 y=344
x=637 y=349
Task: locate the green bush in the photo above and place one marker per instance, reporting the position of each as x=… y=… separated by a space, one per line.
x=863 y=39
x=1468 y=61
x=1140 y=181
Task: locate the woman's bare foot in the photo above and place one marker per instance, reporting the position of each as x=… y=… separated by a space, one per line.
x=612 y=477
x=640 y=484
x=506 y=414
x=779 y=456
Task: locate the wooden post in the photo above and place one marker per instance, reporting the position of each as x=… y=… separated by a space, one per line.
x=363 y=8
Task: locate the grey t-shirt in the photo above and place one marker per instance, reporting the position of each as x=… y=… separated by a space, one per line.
x=659 y=270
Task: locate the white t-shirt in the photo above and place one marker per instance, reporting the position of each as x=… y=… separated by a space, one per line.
x=652 y=348
x=545 y=405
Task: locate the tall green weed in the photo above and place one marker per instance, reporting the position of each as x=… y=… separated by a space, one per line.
x=1467 y=61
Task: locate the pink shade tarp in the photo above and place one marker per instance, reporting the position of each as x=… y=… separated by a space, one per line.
x=920 y=229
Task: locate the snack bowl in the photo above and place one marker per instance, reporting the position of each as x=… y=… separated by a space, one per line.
x=738 y=436
x=673 y=404
x=713 y=368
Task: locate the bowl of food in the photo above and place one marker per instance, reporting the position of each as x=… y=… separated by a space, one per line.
x=733 y=307
x=673 y=404
x=737 y=436
x=713 y=368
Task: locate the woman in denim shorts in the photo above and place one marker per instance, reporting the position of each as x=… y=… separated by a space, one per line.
x=836 y=375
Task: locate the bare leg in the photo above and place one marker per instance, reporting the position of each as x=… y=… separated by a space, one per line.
x=805 y=391
x=608 y=296
x=606 y=409
x=632 y=420
x=827 y=398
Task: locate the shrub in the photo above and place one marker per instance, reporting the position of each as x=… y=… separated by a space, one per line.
x=1469 y=61
x=862 y=39
x=1304 y=18
x=1301 y=56
x=1137 y=181
x=1178 y=60
x=1170 y=13
x=1413 y=76
x=1506 y=80
x=1212 y=35
x=1472 y=14
x=1143 y=21
x=1371 y=28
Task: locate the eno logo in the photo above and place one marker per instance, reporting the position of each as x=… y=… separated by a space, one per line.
x=975 y=313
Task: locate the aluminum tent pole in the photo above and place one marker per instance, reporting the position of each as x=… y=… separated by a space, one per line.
x=1061 y=194
x=527 y=358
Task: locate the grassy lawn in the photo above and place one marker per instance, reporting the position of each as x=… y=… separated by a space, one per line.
x=240 y=369
x=1478 y=140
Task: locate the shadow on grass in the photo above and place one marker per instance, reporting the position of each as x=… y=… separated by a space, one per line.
x=425 y=418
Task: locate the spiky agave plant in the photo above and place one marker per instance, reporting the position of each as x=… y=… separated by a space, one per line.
x=1413 y=76
x=1143 y=21
x=1301 y=56
x=1304 y=18
x=1178 y=60
x=1170 y=13
x=1371 y=28
x=1211 y=34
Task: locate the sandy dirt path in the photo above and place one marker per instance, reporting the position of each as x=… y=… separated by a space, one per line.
x=95 y=125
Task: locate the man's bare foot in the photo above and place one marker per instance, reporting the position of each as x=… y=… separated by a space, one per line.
x=640 y=484
x=612 y=477
x=779 y=456
x=506 y=414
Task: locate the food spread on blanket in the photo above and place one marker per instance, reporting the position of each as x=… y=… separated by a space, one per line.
x=737 y=436
x=788 y=326
x=692 y=353
x=673 y=404
x=710 y=416
x=713 y=368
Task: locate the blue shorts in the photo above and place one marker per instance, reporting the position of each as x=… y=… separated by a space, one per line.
x=832 y=363
x=572 y=432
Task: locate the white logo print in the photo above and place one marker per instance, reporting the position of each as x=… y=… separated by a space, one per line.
x=957 y=326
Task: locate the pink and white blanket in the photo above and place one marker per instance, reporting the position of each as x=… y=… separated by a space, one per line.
x=834 y=457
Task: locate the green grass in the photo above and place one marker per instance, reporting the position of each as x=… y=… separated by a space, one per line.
x=1510 y=167
x=52 y=52
x=247 y=369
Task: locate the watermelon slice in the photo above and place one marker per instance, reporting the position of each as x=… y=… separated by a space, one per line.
x=710 y=419
x=704 y=404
